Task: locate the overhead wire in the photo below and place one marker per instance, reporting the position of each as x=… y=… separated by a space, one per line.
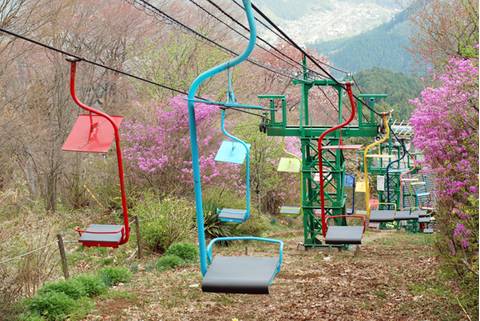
x=264 y=16
x=238 y=32
x=263 y=23
x=287 y=41
x=157 y=10
x=115 y=70
x=232 y=18
x=169 y=17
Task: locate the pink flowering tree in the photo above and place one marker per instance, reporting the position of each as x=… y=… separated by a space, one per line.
x=446 y=130
x=159 y=149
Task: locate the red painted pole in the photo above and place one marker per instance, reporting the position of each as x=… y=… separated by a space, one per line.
x=73 y=69
x=320 y=160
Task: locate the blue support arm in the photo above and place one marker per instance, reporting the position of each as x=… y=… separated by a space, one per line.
x=246 y=238
x=192 y=93
x=247 y=163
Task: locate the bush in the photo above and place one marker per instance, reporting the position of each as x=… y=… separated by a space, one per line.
x=92 y=284
x=186 y=251
x=256 y=225
x=114 y=275
x=167 y=262
x=213 y=199
x=165 y=221
x=72 y=288
x=52 y=306
x=31 y=317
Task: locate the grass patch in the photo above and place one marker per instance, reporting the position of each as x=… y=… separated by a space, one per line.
x=118 y=295
x=188 y=252
x=55 y=306
x=168 y=262
x=72 y=288
x=438 y=293
x=114 y=275
x=92 y=284
x=71 y=299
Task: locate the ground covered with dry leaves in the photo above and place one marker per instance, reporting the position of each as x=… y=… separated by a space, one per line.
x=388 y=279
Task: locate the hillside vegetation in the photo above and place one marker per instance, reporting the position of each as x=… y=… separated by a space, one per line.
x=400 y=88
x=385 y=46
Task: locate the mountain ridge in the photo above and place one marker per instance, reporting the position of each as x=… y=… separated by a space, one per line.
x=385 y=46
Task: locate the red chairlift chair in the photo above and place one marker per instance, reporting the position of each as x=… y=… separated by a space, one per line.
x=94 y=133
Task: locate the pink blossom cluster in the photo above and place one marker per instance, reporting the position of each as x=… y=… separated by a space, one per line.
x=161 y=147
x=446 y=130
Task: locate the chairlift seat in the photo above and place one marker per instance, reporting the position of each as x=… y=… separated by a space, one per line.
x=290 y=210
x=102 y=235
x=421 y=213
x=91 y=136
x=344 y=235
x=418 y=183
x=424 y=219
x=240 y=274
x=360 y=187
x=381 y=156
x=377 y=216
x=409 y=179
x=231 y=152
x=342 y=147
x=349 y=180
x=289 y=165
x=232 y=215
x=405 y=216
x=423 y=194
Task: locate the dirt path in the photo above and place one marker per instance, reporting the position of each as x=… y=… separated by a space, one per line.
x=313 y=285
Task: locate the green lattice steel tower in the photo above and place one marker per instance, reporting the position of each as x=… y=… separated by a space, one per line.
x=334 y=161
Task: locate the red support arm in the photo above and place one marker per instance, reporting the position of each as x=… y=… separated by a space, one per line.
x=73 y=69
x=320 y=149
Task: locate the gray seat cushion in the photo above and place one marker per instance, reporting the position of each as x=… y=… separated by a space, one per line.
x=232 y=214
x=289 y=210
x=424 y=219
x=420 y=213
x=405 y=216
x=102 y=238
x=382 y=216
x=240 y=274
x=344 y=235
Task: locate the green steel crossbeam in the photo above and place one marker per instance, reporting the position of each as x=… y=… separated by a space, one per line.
x=316 y=131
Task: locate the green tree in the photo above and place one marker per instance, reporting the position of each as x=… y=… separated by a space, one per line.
x=399 y=87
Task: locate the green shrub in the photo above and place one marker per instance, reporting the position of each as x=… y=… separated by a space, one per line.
x=167 y=262
x=256 y=225
x=186 y=251
x=92 y=284
x=165 y=221
x=52 y=306
x=31 y=317
x=82 y=309
x=72 y=288
x=114 y=275
x=213 y=199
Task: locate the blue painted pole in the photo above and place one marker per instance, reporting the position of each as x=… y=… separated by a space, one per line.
x=193 y=129
x=247 y=163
